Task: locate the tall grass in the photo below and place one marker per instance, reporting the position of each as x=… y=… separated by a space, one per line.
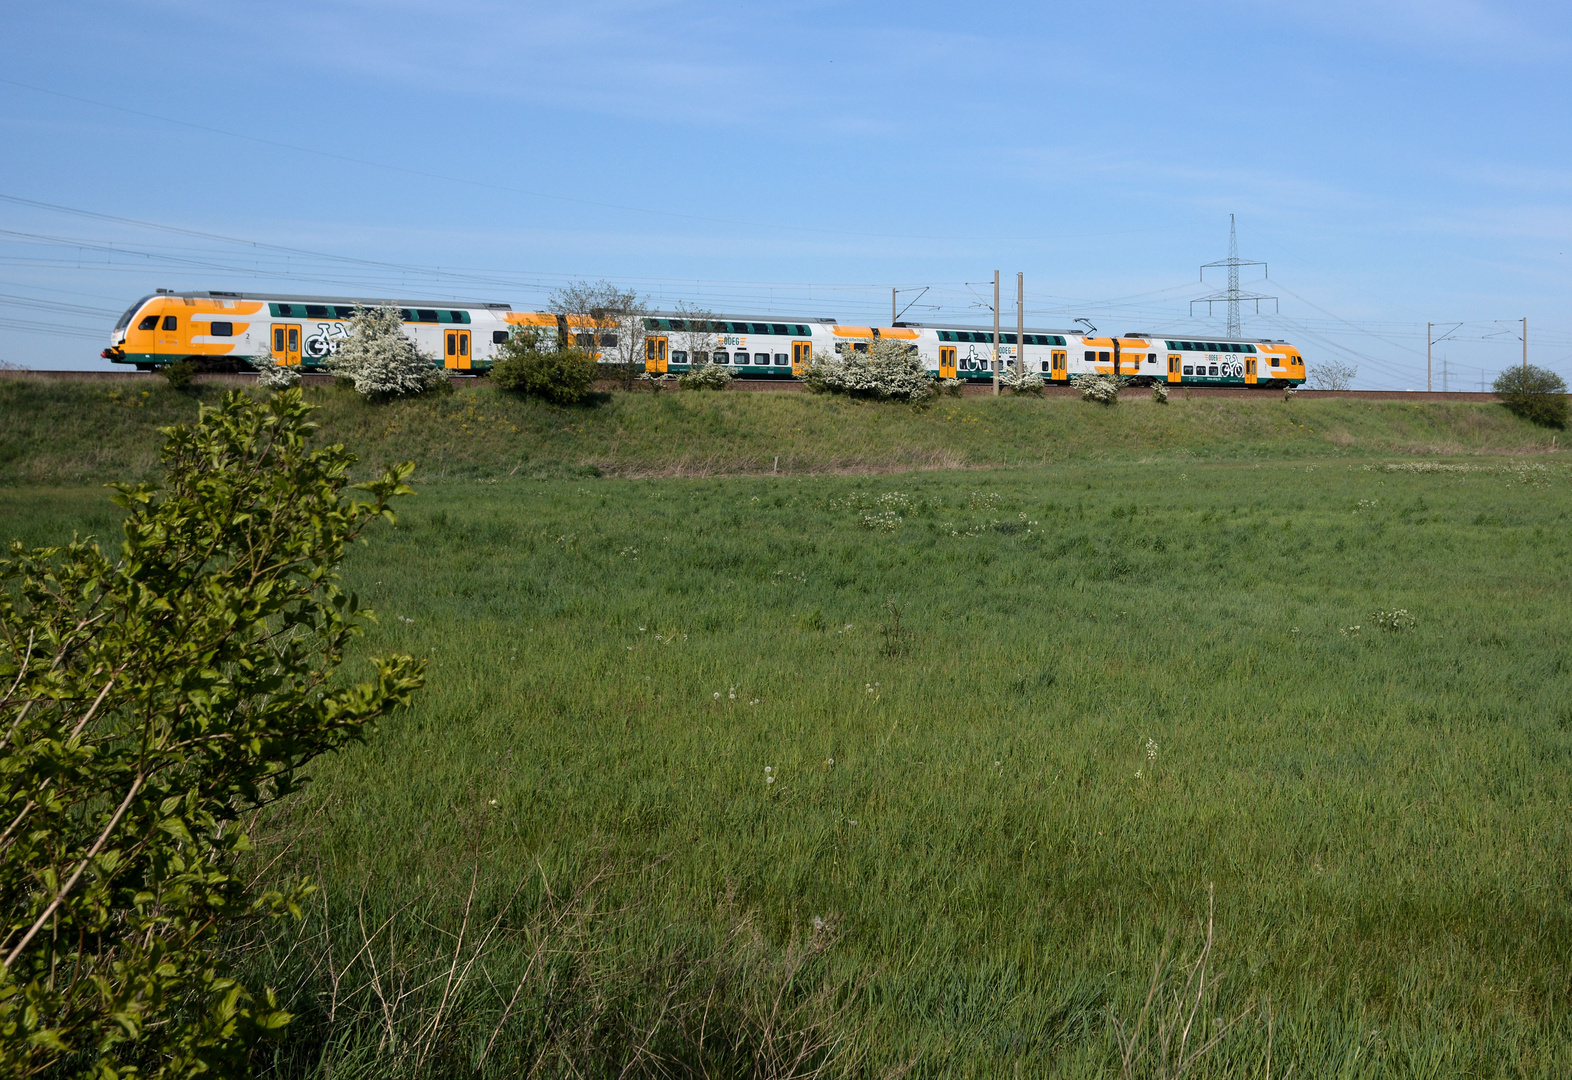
x=1120 y=690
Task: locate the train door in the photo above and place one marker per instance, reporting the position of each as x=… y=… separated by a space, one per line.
x=946 y=361
x=1250 y=371
x=1061 y=365
x=286 y=344
x=655 y=355
x=1173 y=367
x=802 y=356
x=456 y=349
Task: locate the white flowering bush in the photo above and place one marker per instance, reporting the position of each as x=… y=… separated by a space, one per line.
x=1160 y=393
x=272 y=375
x=1103 y=389
x=705 y=376
x=1025 y=382
x=381 y=360
x=889 y=370
x=951 y=387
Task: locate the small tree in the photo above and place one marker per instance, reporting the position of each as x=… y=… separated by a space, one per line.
x=697 y=338
x=615 y=323
x=381 y=360
x=1533 y=393
x=1332 y=375
x=150 y=705
x=529 y=363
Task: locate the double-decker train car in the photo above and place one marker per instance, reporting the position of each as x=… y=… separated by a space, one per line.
x=236 y=331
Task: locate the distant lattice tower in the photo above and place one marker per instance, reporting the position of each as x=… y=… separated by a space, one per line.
x=1232 y=296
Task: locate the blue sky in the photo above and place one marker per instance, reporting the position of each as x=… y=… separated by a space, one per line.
x=1393 y=162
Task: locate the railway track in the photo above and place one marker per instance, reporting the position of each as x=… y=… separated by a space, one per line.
x=789 y=386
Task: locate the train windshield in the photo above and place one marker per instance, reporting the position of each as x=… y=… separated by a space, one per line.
x=125 y=320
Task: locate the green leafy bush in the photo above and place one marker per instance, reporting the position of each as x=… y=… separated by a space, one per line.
x=180 y=373
x=526 y=363
x=1533 y=393
x=151 y=704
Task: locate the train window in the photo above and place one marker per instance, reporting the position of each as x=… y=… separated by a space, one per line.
x=282 y=311
x=345 y=311
x=499 y=337
x=403 y=313
x=1103 y=357
x=679 y=356
x=1045 y=366
x=149 y=323
x=1091 y=357
x=762 y=359
x=1212 y=370
x=222 y=329
x=278 y=339
x=721 y=358
x=778 y=329
x=701 y=357
x=781 y=359
x=1189 y=369
x=318 y=311
x=170 y=322
x=1151 y=358
x=1249 y=348
x=425 y=315
x=609 y=341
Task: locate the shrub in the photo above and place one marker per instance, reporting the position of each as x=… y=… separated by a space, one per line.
x=1535 y=394
x=151 y=705
x=952 y=387
x=1103 y=389
x=1160 y=393
x=529 y=363
x=180 y=373
x=705 y=377
x=889 y=370
x=381 y=360
x=271 y=375
x=1026 y=382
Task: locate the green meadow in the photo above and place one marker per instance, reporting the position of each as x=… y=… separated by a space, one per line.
x=1193 y=740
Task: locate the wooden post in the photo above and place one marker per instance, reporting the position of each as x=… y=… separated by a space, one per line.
x=996 y=333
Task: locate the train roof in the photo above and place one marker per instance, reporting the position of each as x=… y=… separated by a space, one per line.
x=1187 y=335
x=368 y=301
x=1003 y=329
x=716 y=316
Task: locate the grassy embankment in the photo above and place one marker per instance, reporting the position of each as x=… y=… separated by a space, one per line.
x=81 y=432
x=997 y=854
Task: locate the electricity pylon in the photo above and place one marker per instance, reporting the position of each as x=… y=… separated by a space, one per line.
x=1232 y=296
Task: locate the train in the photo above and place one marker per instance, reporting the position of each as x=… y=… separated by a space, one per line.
x=232 y=331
